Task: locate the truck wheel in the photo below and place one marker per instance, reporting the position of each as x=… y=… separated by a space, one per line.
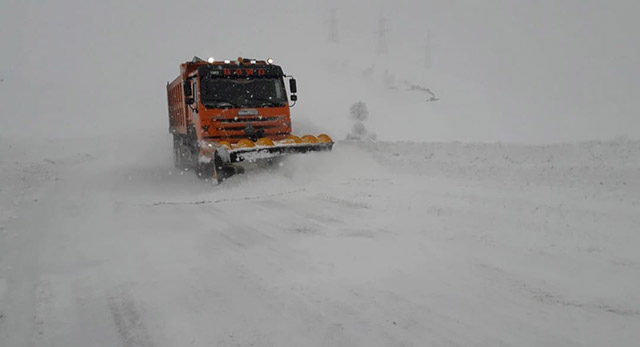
x=225 y=171
x=212 y=170
x=205 y=170
x=216 y=170
x=178 y=158
x=192 y=149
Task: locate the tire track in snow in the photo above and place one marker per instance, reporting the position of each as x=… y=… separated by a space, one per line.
x=203 y=202
x=344 y=202
x=546 y=296
x=128 y=321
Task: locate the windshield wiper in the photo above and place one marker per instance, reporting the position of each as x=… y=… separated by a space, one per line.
x=267 y=102
x=220 y=103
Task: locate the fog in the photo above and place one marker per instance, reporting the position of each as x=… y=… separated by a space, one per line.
x=507 y=71
x=422 y=238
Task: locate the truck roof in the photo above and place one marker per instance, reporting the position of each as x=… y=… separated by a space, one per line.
x=242 y=67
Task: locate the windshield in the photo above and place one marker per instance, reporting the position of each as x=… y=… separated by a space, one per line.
x=243 y=92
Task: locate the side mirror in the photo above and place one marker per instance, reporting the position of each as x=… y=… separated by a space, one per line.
x=186 y=86
x=292 y=86
x=189 y=101
x=294 y=97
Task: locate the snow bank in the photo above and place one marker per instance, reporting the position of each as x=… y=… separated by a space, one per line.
x=379 y=243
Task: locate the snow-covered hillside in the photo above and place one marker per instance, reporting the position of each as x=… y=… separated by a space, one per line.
x=103 y=243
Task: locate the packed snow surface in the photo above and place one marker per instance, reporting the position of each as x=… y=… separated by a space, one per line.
x=104 y=243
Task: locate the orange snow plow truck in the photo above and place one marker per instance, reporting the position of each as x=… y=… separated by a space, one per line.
x=222 y=113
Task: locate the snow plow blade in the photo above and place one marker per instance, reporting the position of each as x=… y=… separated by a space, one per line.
x=265 y=148
x=251 y=154
x=218 y=162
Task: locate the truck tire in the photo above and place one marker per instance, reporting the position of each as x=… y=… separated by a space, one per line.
x=205 y=170
x=192 y=149
x=215 y=170
x=178 y=154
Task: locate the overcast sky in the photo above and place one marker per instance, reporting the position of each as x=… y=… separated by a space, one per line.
x=517 y=71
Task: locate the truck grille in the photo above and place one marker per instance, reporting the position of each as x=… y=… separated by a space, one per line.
x=248 y=126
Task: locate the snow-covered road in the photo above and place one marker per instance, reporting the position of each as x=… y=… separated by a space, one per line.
x=103 y=243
